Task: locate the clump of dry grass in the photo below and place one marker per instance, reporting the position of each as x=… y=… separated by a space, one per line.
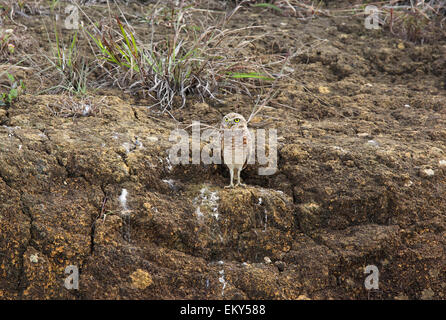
x=417 y=21
x=73 y=107
x=11 y=9
x=302 y=9
x=197 y=57
x=306 y=9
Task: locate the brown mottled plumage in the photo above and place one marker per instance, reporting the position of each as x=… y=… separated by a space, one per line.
x=235 y=134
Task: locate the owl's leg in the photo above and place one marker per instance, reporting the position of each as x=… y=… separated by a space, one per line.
x=231 y=172
x=239 y=182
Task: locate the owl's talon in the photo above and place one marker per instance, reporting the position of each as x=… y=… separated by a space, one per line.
x=230 y=186
x=240 y=184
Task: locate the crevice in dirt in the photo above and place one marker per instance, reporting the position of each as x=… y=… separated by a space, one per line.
x=123 y=156
x=6 y=181
x=21 y=279
x=135 y=113
x=7 y=121
x=92 y=231
x=102 y=211
x=24 y=210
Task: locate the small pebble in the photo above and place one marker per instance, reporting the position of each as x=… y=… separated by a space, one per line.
x=362 y=134
x=373 y=143
x=34 y=258
x=427 y=173
x=408 y=184
x=323 y=90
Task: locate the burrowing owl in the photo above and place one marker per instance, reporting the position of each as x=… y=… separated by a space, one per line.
x=236 y=138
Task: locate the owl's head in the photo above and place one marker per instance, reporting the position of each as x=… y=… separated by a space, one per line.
x=233 y=120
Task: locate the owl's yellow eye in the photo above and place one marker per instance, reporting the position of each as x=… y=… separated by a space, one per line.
x=236 y=120
x=226 y=119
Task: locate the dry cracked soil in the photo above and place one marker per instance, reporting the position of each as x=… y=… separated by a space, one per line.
x=361 y=180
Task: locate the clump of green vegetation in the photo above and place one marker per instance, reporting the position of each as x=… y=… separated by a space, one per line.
x=195 y=59
x=53 y=4
x=267 y=5
x=13 y=90
x=7 y=46
x=67 y=65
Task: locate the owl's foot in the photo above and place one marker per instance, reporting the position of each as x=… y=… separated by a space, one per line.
x=240 y=184
x=230 y=186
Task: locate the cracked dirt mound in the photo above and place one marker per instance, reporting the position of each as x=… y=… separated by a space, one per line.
x=361 y=181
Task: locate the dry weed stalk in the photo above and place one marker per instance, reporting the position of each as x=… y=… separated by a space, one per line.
x=71 y=107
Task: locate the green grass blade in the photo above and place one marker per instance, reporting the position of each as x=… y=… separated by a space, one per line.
x=267 y=5
x=249 y=75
